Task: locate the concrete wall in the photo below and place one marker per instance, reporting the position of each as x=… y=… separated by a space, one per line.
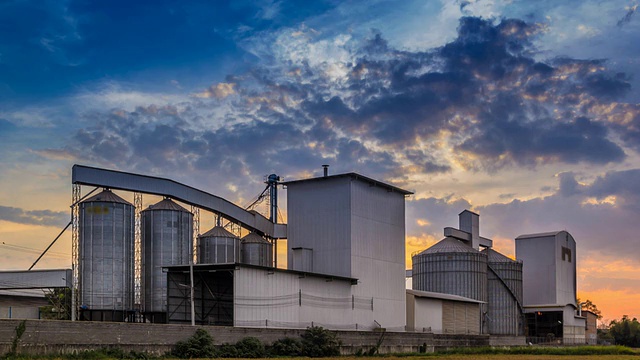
x=538 y=257
x=19 y=312
x=48 y=336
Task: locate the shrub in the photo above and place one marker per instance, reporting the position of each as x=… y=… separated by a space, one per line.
x=286 y=347
x=200 y=345
x=319 y=342
x=250 y=347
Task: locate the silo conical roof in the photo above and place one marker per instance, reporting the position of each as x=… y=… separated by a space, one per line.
x=107 y=196
x=254 y=238
x=166 y=204
x=496 y=257
x=449 y=245
x=219 y=231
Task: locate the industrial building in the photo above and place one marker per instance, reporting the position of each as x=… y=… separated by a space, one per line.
x=345 y=262
x=345 y=238
x=549 y=279
x=457 y=266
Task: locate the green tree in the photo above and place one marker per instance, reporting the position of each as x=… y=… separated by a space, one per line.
x=59 y=307
x=590 y=306
x=625 y=331
x=320 y=342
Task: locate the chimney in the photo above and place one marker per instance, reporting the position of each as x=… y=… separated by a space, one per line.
x=326 y=170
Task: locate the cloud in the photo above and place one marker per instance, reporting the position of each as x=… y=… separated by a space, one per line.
x=627 y=17
x=220 y=90
x=34 y=217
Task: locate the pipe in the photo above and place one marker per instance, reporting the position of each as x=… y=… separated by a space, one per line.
x=326 y=170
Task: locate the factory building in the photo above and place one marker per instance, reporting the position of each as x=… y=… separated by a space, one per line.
x=345 y=262
x=345 y=238
x=455 y=267
x=549 y=280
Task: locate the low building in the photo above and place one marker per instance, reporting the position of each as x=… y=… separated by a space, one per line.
x=442 y=313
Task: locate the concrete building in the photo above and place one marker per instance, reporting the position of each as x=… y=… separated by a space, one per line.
x=549 y=286
x=22 y=292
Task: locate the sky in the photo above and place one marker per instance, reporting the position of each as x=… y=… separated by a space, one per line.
x=526 y=112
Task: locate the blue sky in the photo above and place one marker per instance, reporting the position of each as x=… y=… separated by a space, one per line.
x=527 y=112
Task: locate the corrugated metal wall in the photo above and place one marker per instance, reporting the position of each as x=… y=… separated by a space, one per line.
x=503 y=313
x=463 y=274
x=106 y=255
x=460 y=317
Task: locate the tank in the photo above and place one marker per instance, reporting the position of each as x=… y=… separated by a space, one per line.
x=451 y=267
x=106 y=257
x=218 y=246
x=256 y=250
x=167 y=233
x=504 y=294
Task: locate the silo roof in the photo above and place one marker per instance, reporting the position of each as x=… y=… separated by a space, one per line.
x=254 y=238
x=107 y=196
x=219 y=231
x=496 y=257
x=167 y=204
x=450 y=245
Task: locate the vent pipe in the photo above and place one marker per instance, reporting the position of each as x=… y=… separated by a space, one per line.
x=326 y=170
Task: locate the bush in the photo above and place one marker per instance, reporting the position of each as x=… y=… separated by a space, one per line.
x=286 y=347
x=200 y=345
x=250 y=347
x=227 y=351
x=319 y=342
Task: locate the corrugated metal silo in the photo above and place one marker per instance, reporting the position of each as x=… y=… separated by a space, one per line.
x=106 y=257
x=167 y=233
x=218 y=246
x=256 y=250
x=451 y=267
x=504 y=286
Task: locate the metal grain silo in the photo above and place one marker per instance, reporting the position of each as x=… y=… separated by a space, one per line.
x=504 y=287
x=167 y=233
x=451 y=267
x=106 y=257
x=218 y=246
x=256 y=250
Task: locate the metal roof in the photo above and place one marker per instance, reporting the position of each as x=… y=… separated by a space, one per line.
x=545 y=234
x=85 y=175
x=167 y=204
x=254 y=238
x=441 y=296
x=107 y=196
x=219 y=231
x=236 y=266
x=35 y=279
x=449 y=245
x=496 y=257
x=354 y=176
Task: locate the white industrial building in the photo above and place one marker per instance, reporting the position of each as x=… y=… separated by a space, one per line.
x=549 y=279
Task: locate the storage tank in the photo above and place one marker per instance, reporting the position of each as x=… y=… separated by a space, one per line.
x=167 y=233
x=451 y=267
x=106 y=257
x=256 y=250
x=504 y=294
x=218 y=246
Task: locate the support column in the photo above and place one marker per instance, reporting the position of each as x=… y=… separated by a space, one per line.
x=75 y=258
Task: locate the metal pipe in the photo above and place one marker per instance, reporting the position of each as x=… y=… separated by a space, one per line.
x=50 y=245
x=326 y=170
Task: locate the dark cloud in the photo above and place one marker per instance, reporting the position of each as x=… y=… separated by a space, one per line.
x=484 y=91
x=34 y=217
x=627 y=17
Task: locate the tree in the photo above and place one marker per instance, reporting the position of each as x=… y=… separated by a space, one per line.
x=59 y=307
x=625 y=331
x=589 y=306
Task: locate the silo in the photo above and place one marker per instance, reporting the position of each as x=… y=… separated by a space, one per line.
x=106 y=257
x=504 y=287
x=218 y=246
x=256 y=250
x=167 y=232
x=451 y=267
